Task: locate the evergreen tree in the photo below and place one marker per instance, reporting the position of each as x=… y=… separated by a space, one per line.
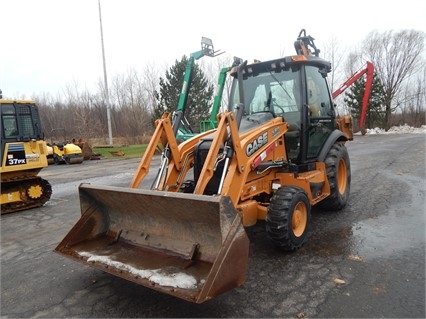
x=375 y=109
x=200 y=94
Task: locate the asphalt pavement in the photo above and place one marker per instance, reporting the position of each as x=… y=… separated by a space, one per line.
x=366 y=261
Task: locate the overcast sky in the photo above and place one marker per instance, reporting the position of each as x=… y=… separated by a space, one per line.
x=46 y=45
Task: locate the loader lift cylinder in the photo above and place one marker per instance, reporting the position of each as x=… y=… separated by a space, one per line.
x=228 y=150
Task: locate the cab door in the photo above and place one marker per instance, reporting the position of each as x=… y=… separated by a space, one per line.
x=320 y=111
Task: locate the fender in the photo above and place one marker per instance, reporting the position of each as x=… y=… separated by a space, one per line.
x=336 y=135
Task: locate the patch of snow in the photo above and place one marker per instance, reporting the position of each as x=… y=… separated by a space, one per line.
x=176 y=280
x=401 y=129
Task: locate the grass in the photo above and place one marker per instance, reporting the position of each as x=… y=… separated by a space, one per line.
x=123 y=151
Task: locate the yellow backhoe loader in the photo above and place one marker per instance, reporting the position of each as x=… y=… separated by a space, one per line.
x=277 y=151
x=23 y=155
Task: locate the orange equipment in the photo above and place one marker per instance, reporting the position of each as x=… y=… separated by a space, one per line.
x=270 y=158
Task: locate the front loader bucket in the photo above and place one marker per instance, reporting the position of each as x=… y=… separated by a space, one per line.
x=190 y=246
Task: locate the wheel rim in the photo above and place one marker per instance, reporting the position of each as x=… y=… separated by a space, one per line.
x=299 y=219
x=341 y=176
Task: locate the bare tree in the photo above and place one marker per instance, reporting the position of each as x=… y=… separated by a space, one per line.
x=86 y=123
x=132 y=112
x=46 y=105
x=396 y=56
x=334 y=53
x=150 y=77
x=413 y=102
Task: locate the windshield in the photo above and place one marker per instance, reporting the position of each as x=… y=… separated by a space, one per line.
x=275 y=92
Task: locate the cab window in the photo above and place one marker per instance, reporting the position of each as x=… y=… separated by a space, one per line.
x=9 y=124
x=318 y=94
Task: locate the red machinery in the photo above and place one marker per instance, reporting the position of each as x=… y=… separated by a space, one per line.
x=369 y=70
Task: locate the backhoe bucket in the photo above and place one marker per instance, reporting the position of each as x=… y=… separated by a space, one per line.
x=190 y=246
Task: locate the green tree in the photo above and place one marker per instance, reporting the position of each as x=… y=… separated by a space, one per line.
x=376 y=109
x=200 y=94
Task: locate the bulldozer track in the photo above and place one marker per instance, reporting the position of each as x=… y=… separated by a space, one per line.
x=33 y=193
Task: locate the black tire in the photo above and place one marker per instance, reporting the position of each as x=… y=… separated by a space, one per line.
x=288 y=218
x=339 y=177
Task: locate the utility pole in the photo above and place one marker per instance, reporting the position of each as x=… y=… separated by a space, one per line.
x=105 y=78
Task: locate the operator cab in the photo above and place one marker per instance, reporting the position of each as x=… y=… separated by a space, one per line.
x=296 y=89
x=20 y=122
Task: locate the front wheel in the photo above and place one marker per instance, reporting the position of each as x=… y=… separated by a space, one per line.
x=338 y=169
x=288 y=218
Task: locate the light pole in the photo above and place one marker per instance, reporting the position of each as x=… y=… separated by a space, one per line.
x=105 y=79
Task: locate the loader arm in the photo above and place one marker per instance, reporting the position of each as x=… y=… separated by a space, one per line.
x=238 y=180
x=227 y=126
x=163 y=133
x=179 y=157
x=180 y=164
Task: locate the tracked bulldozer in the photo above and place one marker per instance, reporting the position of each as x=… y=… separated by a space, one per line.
x=23 y=156
x=277 y=151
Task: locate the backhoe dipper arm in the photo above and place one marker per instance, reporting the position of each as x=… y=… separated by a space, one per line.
x=303 y=43
x=366 y=97
x=369 y=70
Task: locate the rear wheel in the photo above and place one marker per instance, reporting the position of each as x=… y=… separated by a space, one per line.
x=288 y=218
x=339 y=176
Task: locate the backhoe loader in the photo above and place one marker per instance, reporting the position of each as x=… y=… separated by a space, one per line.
x=277 y=151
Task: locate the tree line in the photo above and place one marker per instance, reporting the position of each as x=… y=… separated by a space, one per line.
x=138 y=98
x=398 y=93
